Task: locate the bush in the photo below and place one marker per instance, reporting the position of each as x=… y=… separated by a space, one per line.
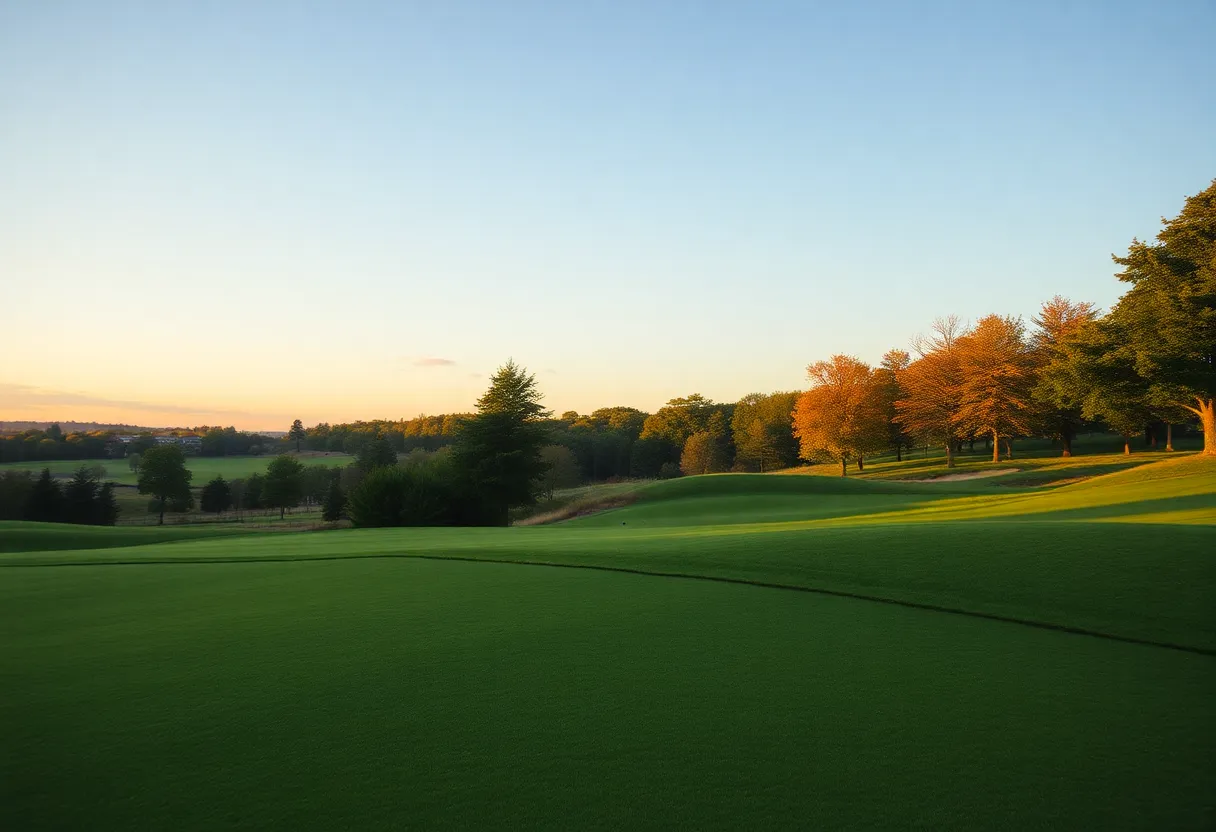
x=669 y=471
x=421 y=495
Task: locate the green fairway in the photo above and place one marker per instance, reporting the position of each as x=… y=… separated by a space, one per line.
x=19 y=536
x=1040 y=658
x=203 y=468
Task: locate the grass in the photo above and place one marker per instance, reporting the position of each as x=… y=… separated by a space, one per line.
x=203 y=468
x=20 y=536
x=364 y=678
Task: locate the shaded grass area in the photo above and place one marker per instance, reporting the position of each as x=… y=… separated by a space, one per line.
x=20 y=536
x=379 y=694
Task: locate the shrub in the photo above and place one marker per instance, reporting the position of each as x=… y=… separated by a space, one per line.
x=669 y=471
x=420 y=495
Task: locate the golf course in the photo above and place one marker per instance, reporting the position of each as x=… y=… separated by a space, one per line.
x=734 y=650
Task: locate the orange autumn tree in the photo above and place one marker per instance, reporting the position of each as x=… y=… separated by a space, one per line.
x=996 y=374
x=841 y=416
x=930 y=386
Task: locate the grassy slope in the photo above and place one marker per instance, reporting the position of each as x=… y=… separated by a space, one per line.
x=19 y=536
x=363 y=692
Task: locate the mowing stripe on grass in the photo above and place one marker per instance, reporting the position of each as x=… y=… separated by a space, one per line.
x=836 y=593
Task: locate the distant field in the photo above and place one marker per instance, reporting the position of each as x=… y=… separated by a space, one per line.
x=203 y=468
x=1028 y=657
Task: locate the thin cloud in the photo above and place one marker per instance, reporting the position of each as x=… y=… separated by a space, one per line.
x=25 y=395
x=431 y=361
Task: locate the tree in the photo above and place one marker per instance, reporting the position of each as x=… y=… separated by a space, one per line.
x=649 y=454
x=679 y=419
x=216 y=496
x=376 y=453
x=107 y=506
x=1056 y=395
x=15 y=488
x=889 y=377
x=133 y=461
x=763 y=430
x=284 y=485
x=80 y=498
x=498 y=451
x=45 y=501
x=930 y=385
x=704 y=453
x=163 y=474
x=316 y=481
x=1169 y=314
x=297 y=433
x=335 y=502
x=1101 y=366
x=841 y=415
x=563 y=471
x=995 y=377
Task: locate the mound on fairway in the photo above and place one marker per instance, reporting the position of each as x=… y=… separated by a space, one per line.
x=389 y=678
x=21 y=536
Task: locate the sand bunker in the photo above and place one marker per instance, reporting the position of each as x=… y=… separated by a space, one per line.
x=970 y=475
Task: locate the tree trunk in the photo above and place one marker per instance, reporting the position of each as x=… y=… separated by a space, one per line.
x=950 y=454
x=844 y=467
x=1169 y=437
x=1207 y=416
x=162 y=511
x=1008 y=449
x=1066 y=439
x=898 y=457
x=282 y=511
x=1127 y=446
x=996 y=447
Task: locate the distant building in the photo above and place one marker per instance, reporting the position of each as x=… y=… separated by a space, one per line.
x=188 y=444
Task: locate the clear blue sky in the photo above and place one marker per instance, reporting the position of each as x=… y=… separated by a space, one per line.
x=246 y=212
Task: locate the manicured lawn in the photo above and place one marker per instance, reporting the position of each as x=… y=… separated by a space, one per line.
x=349 y=679
x=203 y=468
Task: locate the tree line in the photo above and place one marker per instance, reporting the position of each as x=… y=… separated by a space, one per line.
x=1149 y=362
x=84 y=499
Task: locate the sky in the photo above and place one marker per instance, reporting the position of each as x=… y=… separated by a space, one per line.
x=245 y=213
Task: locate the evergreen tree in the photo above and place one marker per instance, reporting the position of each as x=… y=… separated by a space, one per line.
x=335 y=502
x=80 y=498
x=498 y=452
x=216 y=496
x=297 y=433
x=107 y=506
x=45 y=501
